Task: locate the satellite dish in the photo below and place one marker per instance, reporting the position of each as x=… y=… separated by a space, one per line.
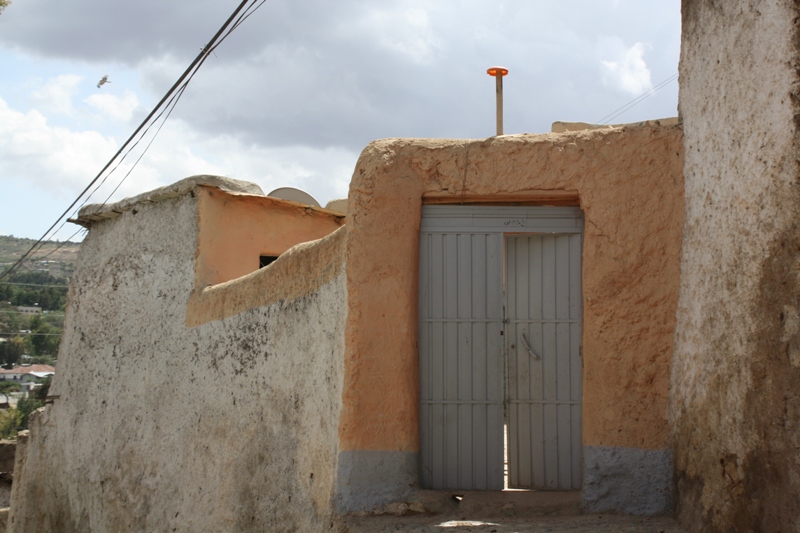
x=294 y=195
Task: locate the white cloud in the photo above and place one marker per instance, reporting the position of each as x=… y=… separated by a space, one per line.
x=116 y=107
x=630 y=72
x=62 y=162
x=53 y=158
x=324 y=172
x=292 y=96
x=405 y=32
x=56 y=94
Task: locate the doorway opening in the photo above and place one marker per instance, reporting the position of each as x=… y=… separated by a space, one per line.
x=500 y=359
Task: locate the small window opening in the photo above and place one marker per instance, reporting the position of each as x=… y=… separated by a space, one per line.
x=264 y=260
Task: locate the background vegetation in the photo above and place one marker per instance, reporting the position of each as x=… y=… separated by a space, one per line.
x=33 y=338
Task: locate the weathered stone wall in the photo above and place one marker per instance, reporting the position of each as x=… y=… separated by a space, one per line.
x=735 y=400
x=226 y=424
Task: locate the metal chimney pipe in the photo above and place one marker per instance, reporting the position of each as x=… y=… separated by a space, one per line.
x=498 y=73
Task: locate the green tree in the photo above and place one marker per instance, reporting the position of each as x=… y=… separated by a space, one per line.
x=11 y=350
x=45 y=339
x=4 y=4
x=10 y=419
x=7 y=387
x=29 y=288
x=26 y=406
x=42 y=392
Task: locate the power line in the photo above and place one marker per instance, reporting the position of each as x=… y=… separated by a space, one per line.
x=614 y=114
x=63 y=243
x=189 y=72
x=170 y=106
x=176 y=98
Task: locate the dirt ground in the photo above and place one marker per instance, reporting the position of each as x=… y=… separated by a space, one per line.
x=590 y=523
x=502 y=512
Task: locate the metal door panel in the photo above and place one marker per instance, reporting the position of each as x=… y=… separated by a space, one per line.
x=544 y=368
x=463 y=401
x=461 y=409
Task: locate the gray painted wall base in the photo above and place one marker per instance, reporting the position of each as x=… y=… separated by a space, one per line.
x=369 y=479
x=628 y=480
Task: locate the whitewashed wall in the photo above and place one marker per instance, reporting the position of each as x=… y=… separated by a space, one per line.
x=228 y=426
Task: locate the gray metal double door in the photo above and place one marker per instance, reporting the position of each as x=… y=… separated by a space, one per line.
x=499 y=342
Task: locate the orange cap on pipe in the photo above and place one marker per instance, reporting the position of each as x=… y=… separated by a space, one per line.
x=494 y=71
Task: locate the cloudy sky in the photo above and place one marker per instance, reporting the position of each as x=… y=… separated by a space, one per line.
x=292 y=95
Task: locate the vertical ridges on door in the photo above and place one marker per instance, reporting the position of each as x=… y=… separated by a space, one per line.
x=544 y=306
x=461 y=361
x=464 y=256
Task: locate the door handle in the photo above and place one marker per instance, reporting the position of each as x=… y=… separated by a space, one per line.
x=529 y=348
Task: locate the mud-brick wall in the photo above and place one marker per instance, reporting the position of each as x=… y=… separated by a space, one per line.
x=227 y=424
x=628 y=183
x=735 y=391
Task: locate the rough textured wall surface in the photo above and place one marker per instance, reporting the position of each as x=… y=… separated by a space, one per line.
x=628 y=181
x=227 y=426
x=735 y=400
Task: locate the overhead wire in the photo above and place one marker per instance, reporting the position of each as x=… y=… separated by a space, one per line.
x=179 y=86
x=617 y=112
x=125 y=155
x=171 y=103
x=63 y=243
x=168 y=108
x=158 y=130
x=205 y=51
x=171 y=94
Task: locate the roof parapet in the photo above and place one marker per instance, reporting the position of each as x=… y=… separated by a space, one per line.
x=562 y=127
x=97 y=212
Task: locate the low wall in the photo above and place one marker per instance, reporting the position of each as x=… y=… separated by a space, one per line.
x=221 y=420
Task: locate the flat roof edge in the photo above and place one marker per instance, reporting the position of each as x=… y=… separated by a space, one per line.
x=97 y=212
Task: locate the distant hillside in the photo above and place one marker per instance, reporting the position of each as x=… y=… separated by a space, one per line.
x=40 y=284
x=12 y=248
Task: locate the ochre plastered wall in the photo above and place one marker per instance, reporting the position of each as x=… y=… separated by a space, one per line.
x=301 y=270
x=629 y=184
x=235 y=229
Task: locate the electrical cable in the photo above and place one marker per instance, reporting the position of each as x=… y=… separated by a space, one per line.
x=170 y=106
x=145 y=149
x=135 y=144
x=614 y=114
x=62 y=244
x=211 y=45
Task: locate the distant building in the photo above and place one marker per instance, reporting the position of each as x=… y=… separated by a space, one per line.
x=26 y=373
x=53 y=268
x=29 y=310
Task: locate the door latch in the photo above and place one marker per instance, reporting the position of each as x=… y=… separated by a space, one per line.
x=529 y=348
